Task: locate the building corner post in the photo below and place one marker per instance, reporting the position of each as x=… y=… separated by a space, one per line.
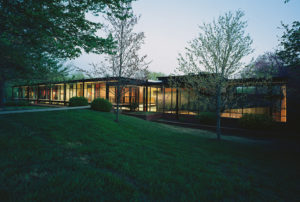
x=65 y=93
x=177 y=110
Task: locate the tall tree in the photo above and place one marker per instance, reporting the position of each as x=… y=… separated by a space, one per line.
x=214 y=56
x=289 y=50
x=125 y=62
x=266 y=66
x=155 y=75
x=33 y=31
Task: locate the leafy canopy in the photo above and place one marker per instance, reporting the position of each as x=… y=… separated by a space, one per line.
x=290 y=44
x=33 y=31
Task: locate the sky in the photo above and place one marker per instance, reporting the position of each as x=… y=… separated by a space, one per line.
x=169 y=24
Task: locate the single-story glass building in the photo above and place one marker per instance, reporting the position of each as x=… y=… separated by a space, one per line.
x=159 y=96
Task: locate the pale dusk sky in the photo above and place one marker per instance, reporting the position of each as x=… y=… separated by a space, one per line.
x=169 y=24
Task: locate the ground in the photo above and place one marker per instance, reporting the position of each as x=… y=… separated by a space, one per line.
x=85 y=155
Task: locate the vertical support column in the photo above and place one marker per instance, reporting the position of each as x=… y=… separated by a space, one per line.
x=93 y=91
x=143 y=98
x=38 y=94
x=177 y=109
x=189 y=101
x=107 y=91
x=12 y=93
x=50 y=93
x=164 y=98
x=83 y=89
x=137 y=97
x=146 y=99
x=130 y=92
x=243 y=99
x=149 y=100
x=283 y=107
x=116 y=95
x=75 y=88
x=28 y=93
x=171 y=100
x=156 y=101
x=65 y=93
x=271 y=100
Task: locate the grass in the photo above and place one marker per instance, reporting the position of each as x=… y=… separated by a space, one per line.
x=80 y=155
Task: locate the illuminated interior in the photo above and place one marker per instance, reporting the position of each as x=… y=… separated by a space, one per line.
x=158 y=97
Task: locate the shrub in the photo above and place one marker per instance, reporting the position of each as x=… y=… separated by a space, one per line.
x=207 y=117
x=17 y=103
x=101 y=104
x=133 y=106
x=78 y=101
x=256 y=121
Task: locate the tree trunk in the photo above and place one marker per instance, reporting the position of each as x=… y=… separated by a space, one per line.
x=2 y=92
x=120 y=74
x=218 y=112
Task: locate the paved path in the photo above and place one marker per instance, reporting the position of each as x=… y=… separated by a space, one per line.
x=43 y=110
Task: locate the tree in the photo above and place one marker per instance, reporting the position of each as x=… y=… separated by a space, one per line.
x=265 y=66
x=76 y=76
x=289 y=50
x=34 y=31
x=125 y=62
x=214 y=56
x=155 y=75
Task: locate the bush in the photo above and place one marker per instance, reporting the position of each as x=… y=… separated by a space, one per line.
x=207 y=117
x=78 y=101
x=256 y=121
x=101 y=104
x=133 y=106
x=17 y=103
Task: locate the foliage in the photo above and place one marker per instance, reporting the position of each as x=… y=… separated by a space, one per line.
x=125 y=62
x=290 y=48
x=256 y=121
x=37 y=35
x=214 y=57
x=78 y=101
x=155 y=75
x=207 y=117
x=265 y=66
x=17 y=103
x=134 y=106
x=100 y=104
x=75 y=155
x=76 y=76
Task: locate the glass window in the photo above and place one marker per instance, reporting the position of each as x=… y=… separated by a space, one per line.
x=246 y=89
x=79 y=89
x=112 y=94
x=239 y=89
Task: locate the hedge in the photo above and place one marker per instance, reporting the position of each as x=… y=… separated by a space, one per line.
x=100 y=104
x=256 y=121
x=207 y=117
x=134 y=106
x=78 y=101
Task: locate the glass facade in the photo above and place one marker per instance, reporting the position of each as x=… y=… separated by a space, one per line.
x=153 y=97
x=267 y=100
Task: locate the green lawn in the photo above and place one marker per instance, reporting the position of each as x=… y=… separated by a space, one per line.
x=84 y=155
